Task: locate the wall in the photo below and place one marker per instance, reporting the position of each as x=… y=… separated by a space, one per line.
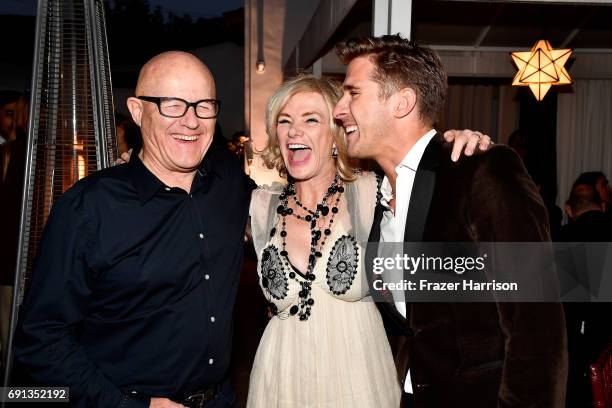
x=284 y=22
x=226 y=62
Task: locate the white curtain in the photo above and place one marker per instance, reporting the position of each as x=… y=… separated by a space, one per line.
x=584 y=133
x=491 y=109
x=469 y=106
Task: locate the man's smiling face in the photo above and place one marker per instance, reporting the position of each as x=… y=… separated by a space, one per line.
x=175 y=144
x=364 y=114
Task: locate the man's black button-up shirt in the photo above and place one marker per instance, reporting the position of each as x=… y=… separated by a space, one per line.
x=135 y=284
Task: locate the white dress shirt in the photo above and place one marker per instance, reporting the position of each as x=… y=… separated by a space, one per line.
x=392 y=225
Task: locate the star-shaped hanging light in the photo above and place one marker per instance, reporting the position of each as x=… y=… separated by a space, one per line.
x=541 y=68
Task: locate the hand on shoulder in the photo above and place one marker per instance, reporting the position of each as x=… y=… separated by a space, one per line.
x=467 y=140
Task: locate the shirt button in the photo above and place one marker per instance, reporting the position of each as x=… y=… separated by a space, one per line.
x=201 y=236
x=212 y=319
x=210 y=361
x=207 y=276
x=167 y=189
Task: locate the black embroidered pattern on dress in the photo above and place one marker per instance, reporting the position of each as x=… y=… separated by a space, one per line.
x=342 y=265
x=273 y=277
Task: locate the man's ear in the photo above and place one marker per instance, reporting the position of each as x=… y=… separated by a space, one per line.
x=405 y=102
x=135 y=107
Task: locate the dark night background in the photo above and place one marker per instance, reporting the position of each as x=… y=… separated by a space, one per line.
x=137 y=30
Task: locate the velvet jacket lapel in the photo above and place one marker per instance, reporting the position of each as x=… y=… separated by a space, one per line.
x=373 y=243
x=384 y=299
x=422 y=191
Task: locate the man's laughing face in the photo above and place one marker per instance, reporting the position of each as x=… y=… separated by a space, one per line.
x=364 y=114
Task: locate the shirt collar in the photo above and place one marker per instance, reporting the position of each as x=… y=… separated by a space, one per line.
x=410 y=161
x=147 y=184
x=413 y=157
x=386 y=193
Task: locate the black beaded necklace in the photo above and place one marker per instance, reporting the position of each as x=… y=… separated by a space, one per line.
x=317 y=238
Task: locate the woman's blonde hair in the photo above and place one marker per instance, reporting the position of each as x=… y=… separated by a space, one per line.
x=331 y=93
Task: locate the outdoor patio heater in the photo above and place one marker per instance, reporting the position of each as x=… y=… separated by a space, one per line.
x=71 y=124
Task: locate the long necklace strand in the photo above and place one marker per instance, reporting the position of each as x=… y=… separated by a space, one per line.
x=317 y=240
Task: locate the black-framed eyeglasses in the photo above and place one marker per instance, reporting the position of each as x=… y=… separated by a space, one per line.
x=176 y=107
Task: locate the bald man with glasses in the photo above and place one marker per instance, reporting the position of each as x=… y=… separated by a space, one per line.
x=132 y=296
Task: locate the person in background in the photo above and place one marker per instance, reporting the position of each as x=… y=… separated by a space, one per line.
x=8 y=106
x=598 y=180
x=588 y=324
x=586 y=210
x=128 y=134
x=13 y=130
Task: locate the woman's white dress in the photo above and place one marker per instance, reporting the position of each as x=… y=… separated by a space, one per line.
x=340 y=356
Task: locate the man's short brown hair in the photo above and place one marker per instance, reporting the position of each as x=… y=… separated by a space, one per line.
x=402 y=63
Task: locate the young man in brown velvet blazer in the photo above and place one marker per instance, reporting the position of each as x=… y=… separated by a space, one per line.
x=451 y=354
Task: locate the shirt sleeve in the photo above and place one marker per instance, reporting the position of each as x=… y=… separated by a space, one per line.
x=56 y=303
